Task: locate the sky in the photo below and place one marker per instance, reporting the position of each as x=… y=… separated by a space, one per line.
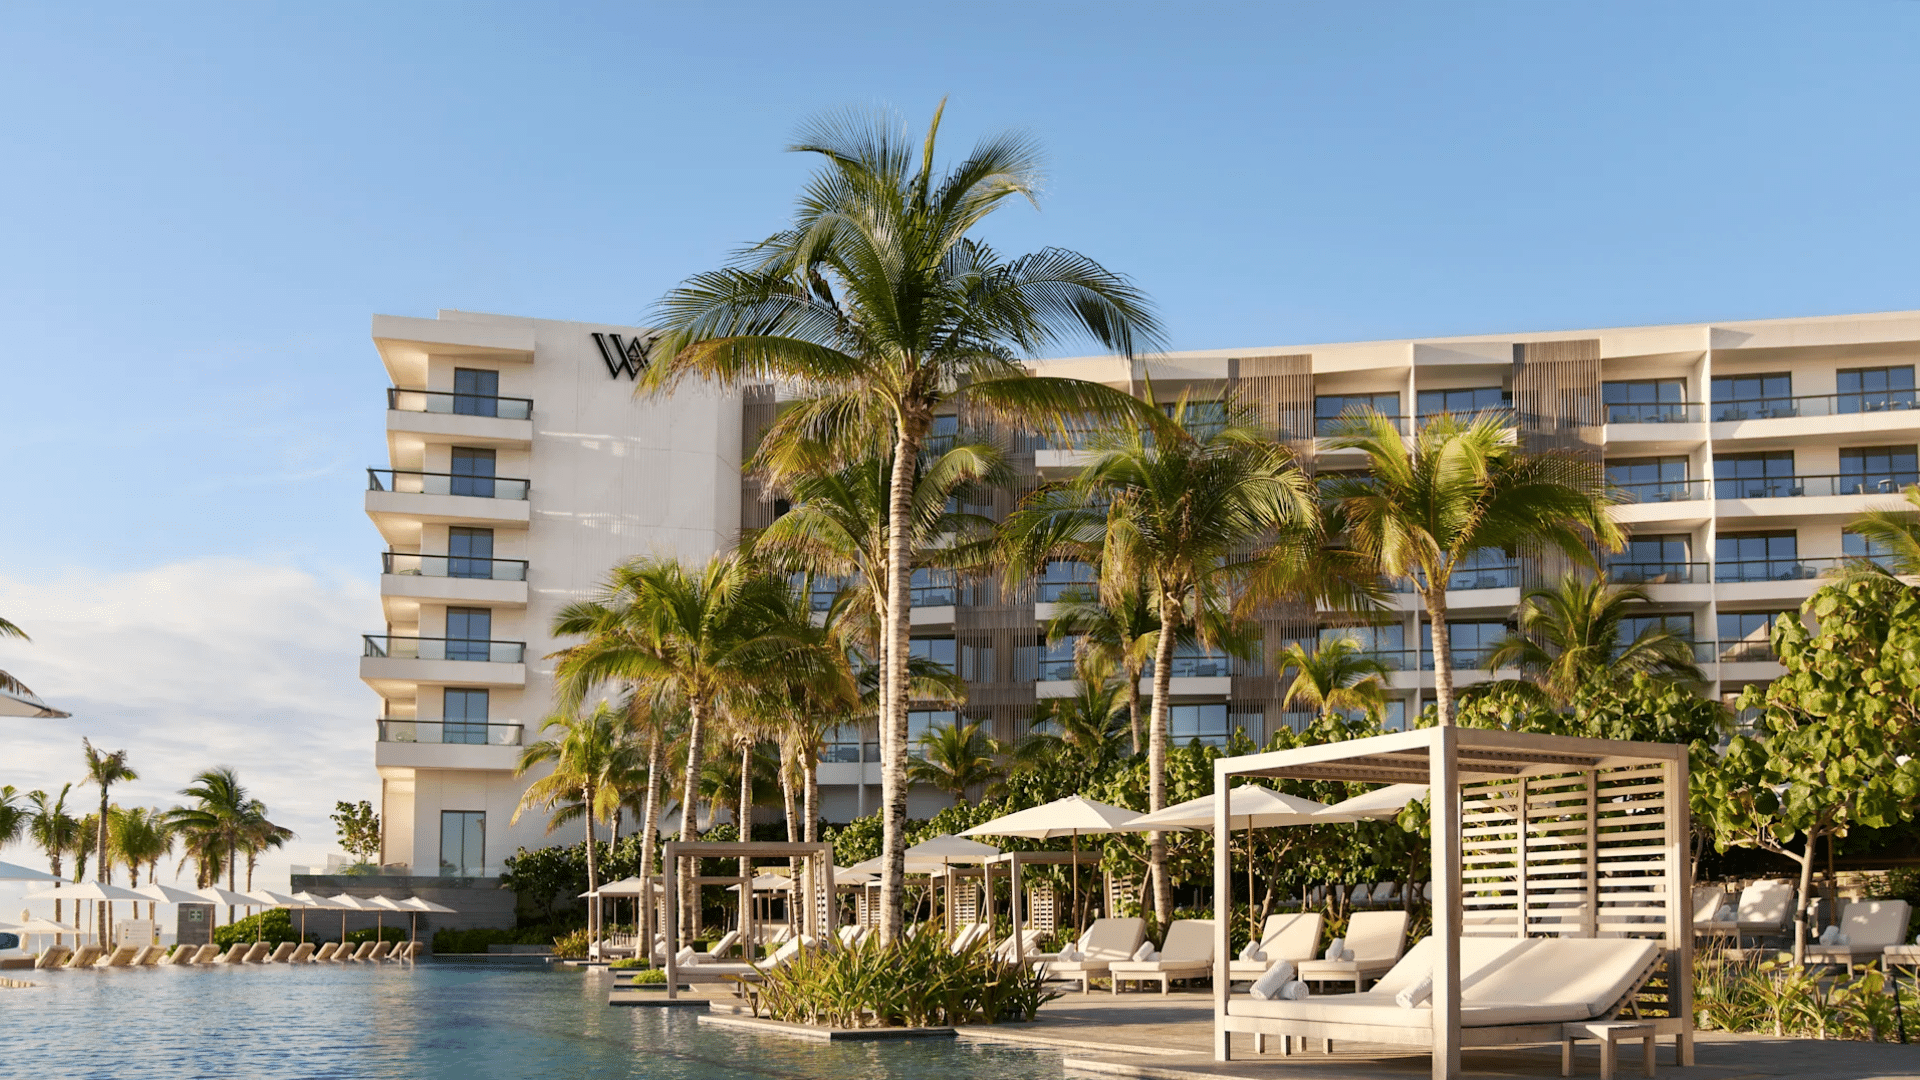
x=202 y=206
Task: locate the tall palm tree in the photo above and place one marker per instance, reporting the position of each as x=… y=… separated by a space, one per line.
x=1112 y=637
x=1335 y=676
x=105 y=769
x=1205 y=516
x=218 y=822
x=703 y=636
x=14 y=815
x=261 y=836
x=1896 y=531
x=141 y=837
x=882 y=311
x=1571 y=635
x=1460 y=486
x=53 y=830
x=1083 y=730
x=7 y=682
x=584 y=752
x=957 y=758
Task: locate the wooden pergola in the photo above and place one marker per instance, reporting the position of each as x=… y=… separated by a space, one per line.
x=1014 y=860
x=1533 y=836
x=815 y=883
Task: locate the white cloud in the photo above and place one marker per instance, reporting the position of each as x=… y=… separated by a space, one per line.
x=220 y=661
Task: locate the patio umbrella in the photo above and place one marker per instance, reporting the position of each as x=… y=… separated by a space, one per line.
x=156 y=893
x=84 y=890
x=21 y=703
x=11 y=872
x=631 y=887
x=348 y=903
x=228 y=897
x=949 y=850
x=1252 y=807
x=381 y=905
x=414 y=906
x=267 y=898
x=1383 y=802
x=1071 y=816
x=310 y=902
x=39 y=926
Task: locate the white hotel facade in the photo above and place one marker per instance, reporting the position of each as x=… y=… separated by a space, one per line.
x=521 y=468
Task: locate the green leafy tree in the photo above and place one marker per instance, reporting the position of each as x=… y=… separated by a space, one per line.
x=104 y=769
x=1115 y=636
x=1841 y=731
x=15 y=813
x=1460 y=486
x=1079 y=735
x=1571 y=635
x=8 y=683
x=956 y=759
x=141 y=837
x=358 y=829
x=881 y=310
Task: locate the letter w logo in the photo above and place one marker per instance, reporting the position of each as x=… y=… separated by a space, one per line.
x=630 y=358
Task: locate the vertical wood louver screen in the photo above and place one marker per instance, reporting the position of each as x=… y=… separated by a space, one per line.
x=1556 y=402
x=758 y=411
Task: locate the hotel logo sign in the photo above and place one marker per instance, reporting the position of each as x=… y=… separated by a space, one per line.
x=624 y=358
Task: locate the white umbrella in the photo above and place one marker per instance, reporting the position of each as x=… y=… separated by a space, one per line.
x=38 y=926
x=11 y=872
x=873 y=867
x=167 y=894
x=626 y=886
x=1071 y=816
x=1254 y=806
x=83 y=890
x=413 y=905
x=952 y=849
x=381 y=905
x=1383 y=802
x=344 y=904
x=232 y=899
x=267 y=898
x=21 y=703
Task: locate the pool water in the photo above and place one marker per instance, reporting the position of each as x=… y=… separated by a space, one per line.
x=448 y=1018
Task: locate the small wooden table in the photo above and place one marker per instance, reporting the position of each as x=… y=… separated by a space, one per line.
x=1609 y=1035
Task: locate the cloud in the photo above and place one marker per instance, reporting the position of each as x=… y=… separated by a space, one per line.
x=218 y=661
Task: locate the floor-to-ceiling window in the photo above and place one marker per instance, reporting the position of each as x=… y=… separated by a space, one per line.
x=463 y=843
x=469 y=552
x=1877 y=470
x=469 y=633
x=472 y=471
x=476 y=392
x=1874 y=389
x=1765 y=474
x=463 y=716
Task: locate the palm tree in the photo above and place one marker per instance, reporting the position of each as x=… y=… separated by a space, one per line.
x=1083 y=730
x=8 y=683
x=956 y=758
x=1205 y=516
x=218 y=823
x=105 y=769
x=702 y=636
x=1111 y=637
x=1459 y=487
x=1335 y=676
x=1572 y=635
x=584 y=752
x=141 y=836
x=882 y=311
x=53 y=830
x=1895 y=531
x=261 y=835
x=14 y=816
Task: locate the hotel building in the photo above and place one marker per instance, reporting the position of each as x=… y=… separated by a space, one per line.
x=522 y=468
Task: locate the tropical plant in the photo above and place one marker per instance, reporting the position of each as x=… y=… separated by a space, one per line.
x=358 y=829
x=583 y=751
x=261 y=836
x=104 y=769
x=1205 y=516
x=879 y=309
x=1082 y=733
x=1338 y=675
x=915 y=982
x=217 y=825
x=8 y=683
x=14 y=814
x=53 y=830
x=1572 y=635
x=1112 y=636
x=140 y=837
x=1895 y=532
x=1459 y=487
x=956 y=758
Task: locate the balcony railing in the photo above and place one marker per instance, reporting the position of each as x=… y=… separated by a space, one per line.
x=1865 y=401
x=1497 y=576
x=939 y=590
x=1793 y=487
x=430 y=483
x=450 y=732
x=1329 y=427
x=452 y=566
x=1464 y=659
x=1659 y=573
x=1743 y=652
x=1662 y=491
x=1654 y=412
x=394 y=646
x=1774 y=569
x=439 y=401
x=1193 y=667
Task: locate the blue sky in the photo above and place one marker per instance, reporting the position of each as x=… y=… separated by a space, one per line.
x=204 y=205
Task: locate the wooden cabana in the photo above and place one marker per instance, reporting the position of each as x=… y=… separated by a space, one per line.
x=1534 y=836
x=814 y=882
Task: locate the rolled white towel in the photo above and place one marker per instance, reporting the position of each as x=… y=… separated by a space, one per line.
x=1070 y=954
x=1416 y=995
x=1144 y=952
x=1295 y=991
x=685 y=956
x=1252 y=952
x=1843 y=939
x=1269 y=986
x=1727 y=913
x=1830 y=936
x=1336 y=949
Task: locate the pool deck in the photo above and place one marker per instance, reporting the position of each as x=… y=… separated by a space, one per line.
x=1171 y=1038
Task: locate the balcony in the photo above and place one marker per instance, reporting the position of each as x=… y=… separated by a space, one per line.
x=1654 y=412
x=394 y=665
x=436 y=401
x=1659 y=573
x=412 y=482
x=397 y=647
x=448 y=579
x=400 y=500
x=449 y=732
x=1795 y=487
x=1333 y=427
x=470 y=419
x=1742 y=652
x=1850 y=404
x=1661 y=491
x=1730 y=571
x=401 y=564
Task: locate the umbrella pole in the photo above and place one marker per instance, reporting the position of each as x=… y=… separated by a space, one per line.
x=1076 y=881
x=1251 y=913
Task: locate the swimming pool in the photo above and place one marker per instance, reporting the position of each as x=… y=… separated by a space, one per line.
x=473 y=1020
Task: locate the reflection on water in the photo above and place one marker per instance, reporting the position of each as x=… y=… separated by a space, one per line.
x=446 y=1019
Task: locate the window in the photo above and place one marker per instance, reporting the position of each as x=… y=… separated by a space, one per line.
x=472 y=472
x=1056 y=661
x=1874 y=389
x=939 y=650
x=1765 y=475
x=922 y=721
x=469 y=631
x=476 y=392
x=1204 y=419
x=1877 y=469
x=1657 y=559
x=1386 y=643
x=1855 y=546
x=1463 y=402
x=1206 y=723
x=1470 y=642
x=463 y=716
x=1483 y=568
x=469 y=552
x=932 y=588
x=1652 y=479
x=1679 y=624
x=1747 y=635
x=848 y=744
x=943 y=435
x=1329 y=409
x=1062 y=576
x=1757 y=556
x=977 y=664
x=1753 y=397
x=1644 y=401
x=463 y=843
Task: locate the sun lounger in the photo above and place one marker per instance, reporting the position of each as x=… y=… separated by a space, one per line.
x=280 y=953
x=207 y=954
x=1765 y=908
x=234 y=955
x=849 y=935
x=1029 y=943
x=1870 y=926
x=1375 y=938
x=718 y=950
x=86 y=956
x=52 y=956
x=411 y=952
x=1293 y=937
x=257 y=953
x=1513 y=991
x=968 y=935
x=365 y=952
x=326 y=951
x=121 y=956
x=303 y=954
x=183 y=955
x=150 y=956
x=380 y=951
x=1106 y=941
x=1186 y=954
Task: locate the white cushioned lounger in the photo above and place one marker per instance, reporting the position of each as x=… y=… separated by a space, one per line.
x=1871 y=926
x=1187 y=954
x=1106 y=941
x=1294 y=938
x=1377 y=940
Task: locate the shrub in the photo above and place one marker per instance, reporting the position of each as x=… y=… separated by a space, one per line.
x=571 y=945
x=272 y=927
x=395 y=934
x=478 y=940
x=913 y=983
x=1773 y=997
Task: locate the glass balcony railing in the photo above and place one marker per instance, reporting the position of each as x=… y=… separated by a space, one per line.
x=438 y=401
x=1744 y=651
x=1464 y=657
x=1865 y=401
x=453 y=732
x=1654 y=412
x=1495 y=576
x=397 y=647
x=1659 y=573
x=452 y=566
x=1190 y=667
x=409 y=481
x=936 y=588
x=1774 y=569
x=1661 y=491
x=1793 y=487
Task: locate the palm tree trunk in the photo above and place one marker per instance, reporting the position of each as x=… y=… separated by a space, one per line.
x=656 y=754
x=1133 y=706
x=53 y=864
x=233 y=852
x=689 y=790
x=790 y=812
x=893 y=682
x=593 y=869
x=744 y=825
x=1157 y=756
x=1442 y=656
x=104 y=911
